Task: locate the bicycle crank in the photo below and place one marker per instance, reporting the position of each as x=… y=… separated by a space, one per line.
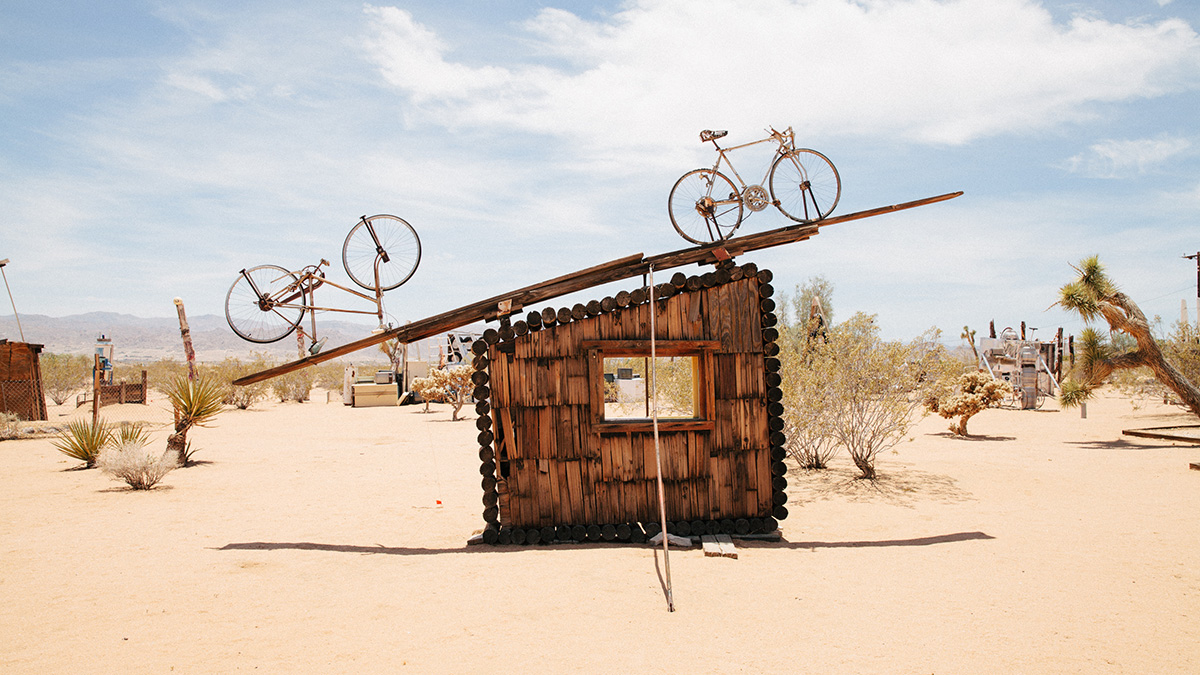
x=755 y=197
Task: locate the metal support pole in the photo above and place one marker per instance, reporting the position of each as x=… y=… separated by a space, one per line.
x=10 y=299
x=1197 y=259
x=653 y=398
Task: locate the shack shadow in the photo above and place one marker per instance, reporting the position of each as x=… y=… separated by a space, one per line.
x=881 y=543
x=379 y=549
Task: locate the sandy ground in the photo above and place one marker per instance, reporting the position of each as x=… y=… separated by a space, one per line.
x=313 y=540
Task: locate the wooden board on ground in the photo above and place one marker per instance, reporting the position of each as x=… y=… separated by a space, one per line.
x=1185 y=434
x=718 y=545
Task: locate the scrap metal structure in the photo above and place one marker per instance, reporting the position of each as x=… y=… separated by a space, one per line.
x=558 y=465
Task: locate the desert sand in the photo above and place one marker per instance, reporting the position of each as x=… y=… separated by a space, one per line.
x=322 y=538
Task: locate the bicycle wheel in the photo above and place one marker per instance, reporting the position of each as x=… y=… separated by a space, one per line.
x=270 y=316
x=394 y=243
x=705 y=206
x=804 y=185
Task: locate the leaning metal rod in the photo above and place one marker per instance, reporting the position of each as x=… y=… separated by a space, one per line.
x=662 y=501
x=22 y=330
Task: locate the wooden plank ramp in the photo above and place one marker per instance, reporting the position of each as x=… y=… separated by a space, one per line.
x=615 y=270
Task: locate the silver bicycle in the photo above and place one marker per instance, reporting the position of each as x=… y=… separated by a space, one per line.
x=266 y=303
x=706 y=206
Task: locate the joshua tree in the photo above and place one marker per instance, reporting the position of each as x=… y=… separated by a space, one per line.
x=969 y=336
x=1093 y=294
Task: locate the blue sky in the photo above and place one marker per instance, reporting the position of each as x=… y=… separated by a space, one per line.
x=152 y=149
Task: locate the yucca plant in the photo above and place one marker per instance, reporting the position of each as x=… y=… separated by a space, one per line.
x=83 y=440
x=131 y=432
x=196 y=403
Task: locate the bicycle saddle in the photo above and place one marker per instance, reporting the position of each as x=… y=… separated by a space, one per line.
x=710 y=135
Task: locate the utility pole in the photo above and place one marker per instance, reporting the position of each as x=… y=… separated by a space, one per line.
x=10 y=299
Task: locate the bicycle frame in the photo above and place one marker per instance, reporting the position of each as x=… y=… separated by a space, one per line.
x=309 y=280
x=786 y=142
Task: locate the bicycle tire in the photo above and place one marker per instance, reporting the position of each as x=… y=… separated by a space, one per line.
x=805 y=186
x=396 y=237
x=704 y=206
x=255 y=321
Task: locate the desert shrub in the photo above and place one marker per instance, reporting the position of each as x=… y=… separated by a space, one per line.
x=808 y=404
x=196 y=403
x=127 y=459
x=293 y=386
x=159 y=374
x=329 y=375
x=230 y=369
x=974 y=392
x=63 y=375
x=10 y=425
x=446 y=385
x=429 y=391
x=873 y=387
x=83 y=440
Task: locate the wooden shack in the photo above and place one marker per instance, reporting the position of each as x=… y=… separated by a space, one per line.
x=559 y=462
x=21 y=389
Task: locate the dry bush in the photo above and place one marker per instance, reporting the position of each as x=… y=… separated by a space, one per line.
x=974 y=392
x=293 y=386
x=127 y=459
x=863 y=391
x=446 y=385
x=10 y=425
x=230 y=369
x=159 y=374
x=63 y=375
x=329 y=375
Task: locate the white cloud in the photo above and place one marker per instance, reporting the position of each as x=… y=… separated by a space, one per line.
x=923 y=71
x=1120 y=158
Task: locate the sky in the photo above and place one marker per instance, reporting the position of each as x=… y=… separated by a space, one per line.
x=151 y=149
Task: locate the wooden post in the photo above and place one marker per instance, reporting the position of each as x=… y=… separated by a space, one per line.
x=186 y=334
x=95 y=389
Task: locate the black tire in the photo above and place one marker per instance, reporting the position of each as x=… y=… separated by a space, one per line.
x=399 y=243
x=805 y=186
x=705 y=206
x=262 y=319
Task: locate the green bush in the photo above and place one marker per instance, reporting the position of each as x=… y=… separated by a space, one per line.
x=64 y=375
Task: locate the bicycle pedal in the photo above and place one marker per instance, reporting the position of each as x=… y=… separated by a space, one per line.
x=316 y=346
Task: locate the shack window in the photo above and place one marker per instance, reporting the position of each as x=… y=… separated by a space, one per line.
x=621 y=392
x=628 y=395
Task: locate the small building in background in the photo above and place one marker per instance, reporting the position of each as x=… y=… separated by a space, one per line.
x=21 y=389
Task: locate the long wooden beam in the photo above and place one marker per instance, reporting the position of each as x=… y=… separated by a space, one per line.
x=615 y=270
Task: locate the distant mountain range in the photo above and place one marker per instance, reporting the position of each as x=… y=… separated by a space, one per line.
x=138 y=339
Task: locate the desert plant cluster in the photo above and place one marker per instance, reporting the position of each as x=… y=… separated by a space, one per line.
x=972 y=393
x=119 y=451
x=849 y=388
x=451 y=384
